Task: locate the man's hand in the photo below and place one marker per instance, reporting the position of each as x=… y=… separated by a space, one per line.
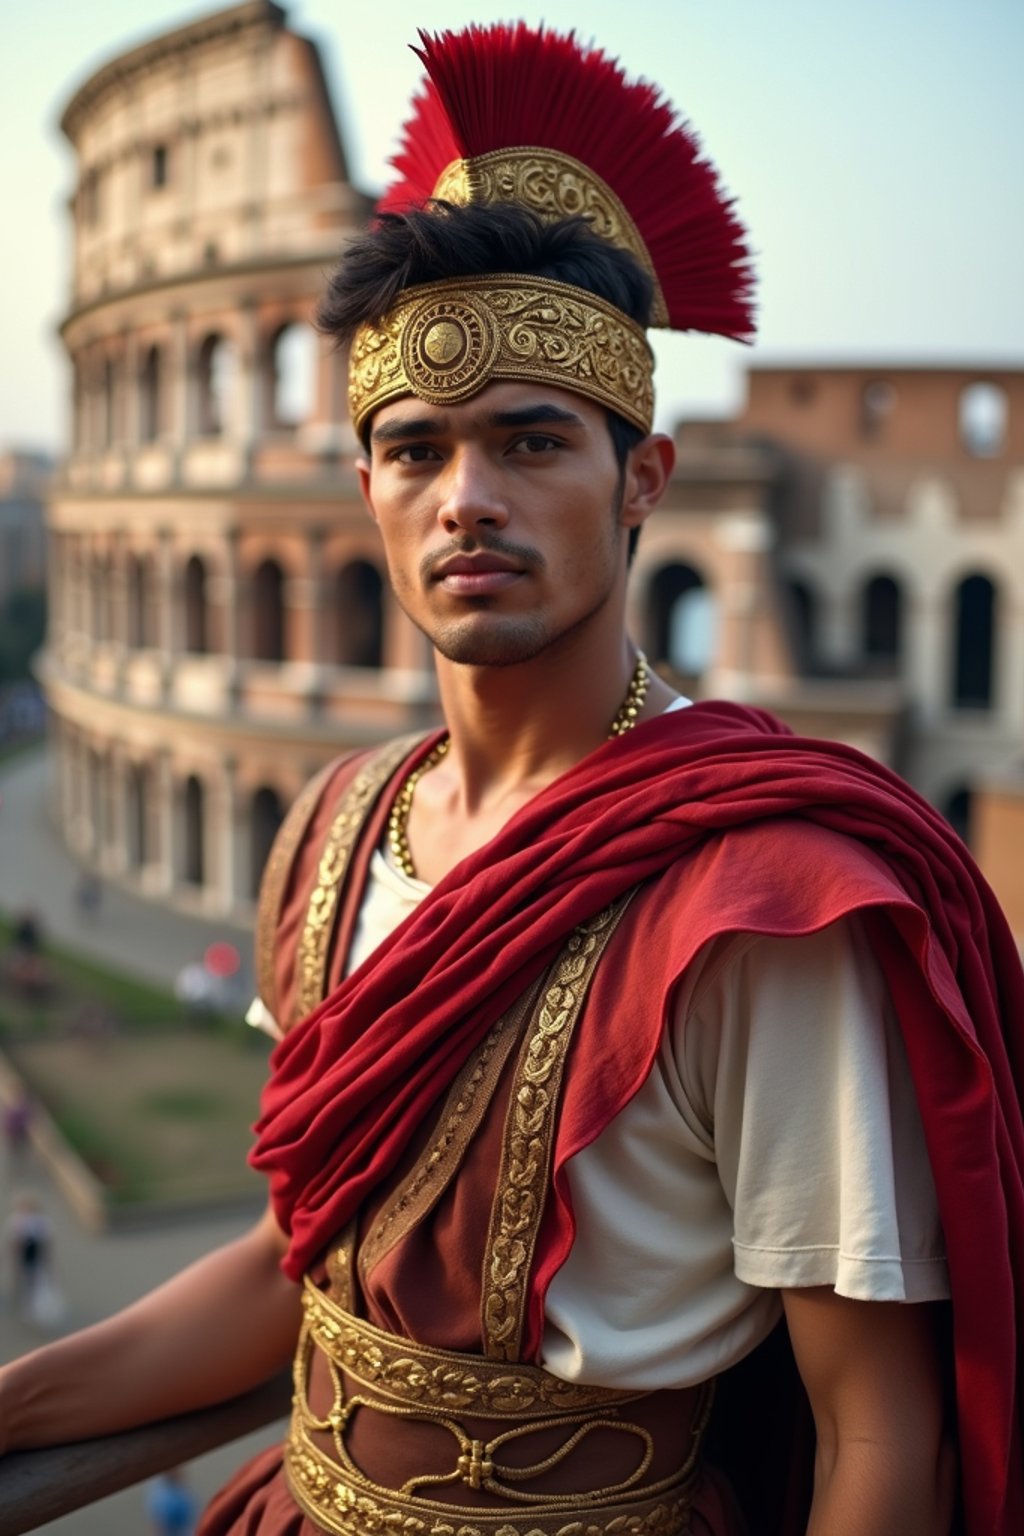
x=883 y=1466
x=222 y=1326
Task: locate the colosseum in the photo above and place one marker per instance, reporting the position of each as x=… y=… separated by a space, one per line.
x=849 y=550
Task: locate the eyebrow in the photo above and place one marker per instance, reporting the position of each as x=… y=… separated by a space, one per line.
x=541 y=414
x=534 y=416
x=398 y=431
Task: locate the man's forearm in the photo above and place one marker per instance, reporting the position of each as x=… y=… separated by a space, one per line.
x=217 y=1329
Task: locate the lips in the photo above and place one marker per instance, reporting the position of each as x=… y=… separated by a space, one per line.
x=477 y=575
x=475 y=565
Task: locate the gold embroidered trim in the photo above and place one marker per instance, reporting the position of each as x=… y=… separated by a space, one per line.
x=275 y=881
x=555 y=186
x=459 y=1121
x=357 y=802
x=345 y=1504
x=530 y=1134
x=340 y=1269
x=420 y=1376
x=445 y=341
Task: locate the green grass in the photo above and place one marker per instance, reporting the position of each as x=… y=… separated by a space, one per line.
x=159 y=1107
x=184 y=1103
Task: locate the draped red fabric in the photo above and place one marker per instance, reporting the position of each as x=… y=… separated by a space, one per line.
x=767 y=833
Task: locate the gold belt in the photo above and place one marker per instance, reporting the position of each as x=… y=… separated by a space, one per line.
x=398 y=1380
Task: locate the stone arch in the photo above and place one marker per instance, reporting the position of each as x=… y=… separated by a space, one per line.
x=956 y=807
x=291 y=374
x=151 y=394
x=877 y=403
x=359 y=615
x=141 y=612
x=193 y=849
x=268 y=616
x=78 y=412
x=96 y=819
x=802 y=608
x=682 y=619
x=102 y=615
x=983 y=414
x=215 y=384
x=265 y=821
x=140 y=812
x=197 y=608
x=882 y=621
x=108 y=385
x=974 y=642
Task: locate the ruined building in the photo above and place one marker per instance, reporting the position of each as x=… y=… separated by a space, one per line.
x=849 y=550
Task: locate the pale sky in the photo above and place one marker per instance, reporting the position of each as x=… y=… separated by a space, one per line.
x=875 y=147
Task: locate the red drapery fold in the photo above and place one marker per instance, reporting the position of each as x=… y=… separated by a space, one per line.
x=353 y=1080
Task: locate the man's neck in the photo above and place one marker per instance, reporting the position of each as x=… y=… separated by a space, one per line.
x=514 y=730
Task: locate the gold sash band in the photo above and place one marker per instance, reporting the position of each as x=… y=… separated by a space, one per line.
x=443 y=342
x=484 y=1406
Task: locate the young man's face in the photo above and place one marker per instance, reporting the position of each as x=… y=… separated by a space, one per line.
x=504 y=518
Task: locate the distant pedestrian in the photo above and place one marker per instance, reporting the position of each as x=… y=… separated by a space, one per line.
x=29 y=1235
x=28 y=933
x=88 y=894
x=171 y=1505
x=17 y=1122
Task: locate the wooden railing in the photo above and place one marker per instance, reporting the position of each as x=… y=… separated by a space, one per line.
x=38 y=1486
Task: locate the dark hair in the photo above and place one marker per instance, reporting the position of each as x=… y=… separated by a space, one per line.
x=443 y=240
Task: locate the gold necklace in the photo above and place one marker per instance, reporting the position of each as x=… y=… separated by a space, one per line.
x=398 y=821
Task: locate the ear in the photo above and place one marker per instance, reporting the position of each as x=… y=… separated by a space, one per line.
x=363 y=471
x=648 y=470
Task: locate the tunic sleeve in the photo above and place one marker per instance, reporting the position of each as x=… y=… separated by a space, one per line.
x=792 y=1054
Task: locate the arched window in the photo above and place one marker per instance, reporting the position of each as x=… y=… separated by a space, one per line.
x=216 y=379
x=957 y=811
x=292 y=381
x=96 y=801
x=683 y=618
x=197 y=636
x=101 y=600
x=267 y=816
x=803 y=620
x=877 y=402
x=882 y=621
x=141 y=609
x=983 y=413
x=151 y=396
x=974 y=657
x=78 y=423
x=139 y=802
x=268 y=612
x=359 y=615
x=110 y=432
x=194 y=863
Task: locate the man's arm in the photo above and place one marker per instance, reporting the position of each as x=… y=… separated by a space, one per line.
x=223 y=1325
x=883 y=1465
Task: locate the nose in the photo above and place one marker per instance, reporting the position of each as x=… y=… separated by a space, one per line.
x=470 y=493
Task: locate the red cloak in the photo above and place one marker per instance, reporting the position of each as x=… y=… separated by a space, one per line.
x=769 y=834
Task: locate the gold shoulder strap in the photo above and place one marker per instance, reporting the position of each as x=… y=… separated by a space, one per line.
x=275 y=880
x=529 y=1135
x=356 y=805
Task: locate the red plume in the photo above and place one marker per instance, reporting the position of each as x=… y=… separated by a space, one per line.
x=499 y=87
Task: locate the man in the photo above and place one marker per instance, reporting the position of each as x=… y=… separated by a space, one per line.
x=603 y=1014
